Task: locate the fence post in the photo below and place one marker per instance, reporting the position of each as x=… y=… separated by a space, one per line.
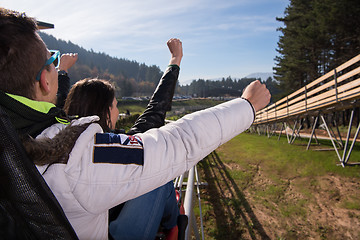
x=275 y=112
x=267 y=114
x=287 y=105
x=336 y=89
x=305 y=98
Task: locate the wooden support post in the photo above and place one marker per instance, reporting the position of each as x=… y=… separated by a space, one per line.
x=305 y=98
x=336 y=87
x=282 y=126
x=287 y=105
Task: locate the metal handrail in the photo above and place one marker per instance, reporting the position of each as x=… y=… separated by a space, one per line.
x=192 y=180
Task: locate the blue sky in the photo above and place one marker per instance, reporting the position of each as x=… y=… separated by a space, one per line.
x=220 y=37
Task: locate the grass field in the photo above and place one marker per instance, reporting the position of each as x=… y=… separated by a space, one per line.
x=179 y=107
x=261 y=188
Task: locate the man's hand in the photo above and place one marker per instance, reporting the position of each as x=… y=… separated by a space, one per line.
x=67 y=60
x=175 y=47
x=257 y=94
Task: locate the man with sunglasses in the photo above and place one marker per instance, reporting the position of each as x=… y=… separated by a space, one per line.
x=54 y=59
x=103 y=170
x=62 y=66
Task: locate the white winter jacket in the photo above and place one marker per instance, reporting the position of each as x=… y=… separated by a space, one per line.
x=105 y=169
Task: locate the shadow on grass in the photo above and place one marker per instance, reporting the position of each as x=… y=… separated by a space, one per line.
x=233 y=214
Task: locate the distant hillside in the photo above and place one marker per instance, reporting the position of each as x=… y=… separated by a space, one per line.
x=131 y=77
x=227 y=87
x=263 y=75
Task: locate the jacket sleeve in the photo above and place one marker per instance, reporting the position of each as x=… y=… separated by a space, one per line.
x=167 y=152
x=63 y=90
x=160 y=102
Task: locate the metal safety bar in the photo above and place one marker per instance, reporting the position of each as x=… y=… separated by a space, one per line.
x=188 y=188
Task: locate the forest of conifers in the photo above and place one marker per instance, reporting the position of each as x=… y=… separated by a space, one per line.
x=317 y=36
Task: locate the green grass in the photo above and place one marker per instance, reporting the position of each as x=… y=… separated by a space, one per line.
x=352 y=203
x=195 y=102
x=297 y=208
x=135 y=107
x=282 y=178
x=179 y=109
x=282 y=159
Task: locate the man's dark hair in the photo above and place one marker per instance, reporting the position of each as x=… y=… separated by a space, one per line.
x=22 y=53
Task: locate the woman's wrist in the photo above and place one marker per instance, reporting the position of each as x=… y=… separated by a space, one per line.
x=174 y=65
x=175 y=61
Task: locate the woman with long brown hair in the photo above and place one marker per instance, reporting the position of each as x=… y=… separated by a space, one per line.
x=141 y=217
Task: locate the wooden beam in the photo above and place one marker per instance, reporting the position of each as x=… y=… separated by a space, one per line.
x=329 y=93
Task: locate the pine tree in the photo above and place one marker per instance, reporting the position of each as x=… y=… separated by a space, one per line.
x=317 y=36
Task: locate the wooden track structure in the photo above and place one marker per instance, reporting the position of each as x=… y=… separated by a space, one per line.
x=334 y=92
